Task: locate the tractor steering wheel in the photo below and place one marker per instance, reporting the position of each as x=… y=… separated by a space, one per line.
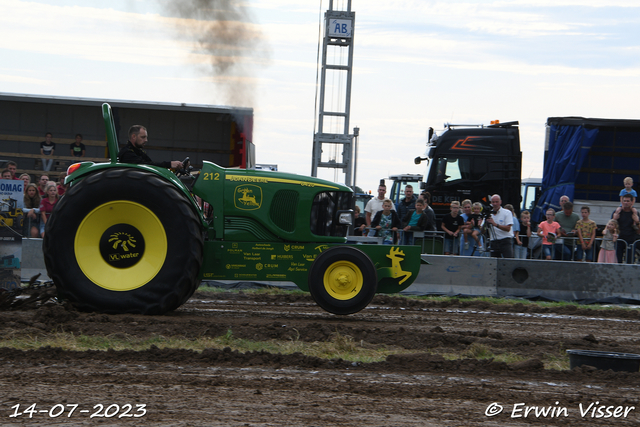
x=185 y=169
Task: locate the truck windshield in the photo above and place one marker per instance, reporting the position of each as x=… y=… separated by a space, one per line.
x=530 y=193
x=452 y=169
x=397 y=191
x=361 y=201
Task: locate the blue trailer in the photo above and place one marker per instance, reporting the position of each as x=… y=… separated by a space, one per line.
x=587 y=159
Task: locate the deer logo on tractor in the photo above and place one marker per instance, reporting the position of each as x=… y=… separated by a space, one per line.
x=248 y=197
x=396 y=255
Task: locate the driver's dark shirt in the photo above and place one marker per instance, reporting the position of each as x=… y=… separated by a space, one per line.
x=131 y=154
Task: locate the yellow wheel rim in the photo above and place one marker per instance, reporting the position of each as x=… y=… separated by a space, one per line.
x=343 y=280
x=97 y=228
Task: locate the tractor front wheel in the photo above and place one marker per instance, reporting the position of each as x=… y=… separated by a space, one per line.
x=343 y=280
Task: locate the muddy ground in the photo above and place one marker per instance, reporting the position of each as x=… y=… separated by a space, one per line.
x=226 y=388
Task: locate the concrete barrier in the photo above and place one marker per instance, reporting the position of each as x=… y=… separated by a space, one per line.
x=553 y=280
x=452 y=275
x=32 y=260
x=568 y=281
x=480 y=276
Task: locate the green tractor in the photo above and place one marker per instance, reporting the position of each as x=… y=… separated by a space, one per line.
x=129 y=238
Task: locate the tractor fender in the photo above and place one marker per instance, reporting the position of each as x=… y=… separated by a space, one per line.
x=89 y=168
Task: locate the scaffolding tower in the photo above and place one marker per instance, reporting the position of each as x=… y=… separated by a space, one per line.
x=338 y=37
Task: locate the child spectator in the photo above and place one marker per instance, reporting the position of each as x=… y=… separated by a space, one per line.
x=547 y=230
x=586 y=229
x=47 y=148
x=385 y=223
x=451 y=225
x=628 y=184
x=476 y=219
x=524 y=236
x=607 y=252
x=31 y=211
x=77 y=148
x=471 y=228
x=6 y=174
x=359 y=222
x=47 y=204
x=467 y=228
x=415 y=220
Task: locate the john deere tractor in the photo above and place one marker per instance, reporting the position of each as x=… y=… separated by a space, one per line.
x=130 y=238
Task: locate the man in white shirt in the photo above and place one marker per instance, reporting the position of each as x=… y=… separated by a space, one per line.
x=500 y=234
x=374 y=205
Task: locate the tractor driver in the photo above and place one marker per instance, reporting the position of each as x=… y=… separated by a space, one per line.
x=133 y=152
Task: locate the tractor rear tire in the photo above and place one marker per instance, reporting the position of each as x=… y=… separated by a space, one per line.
x=124 y=241
x=343 y=280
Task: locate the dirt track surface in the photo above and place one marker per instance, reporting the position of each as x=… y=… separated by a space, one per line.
x=226 y=388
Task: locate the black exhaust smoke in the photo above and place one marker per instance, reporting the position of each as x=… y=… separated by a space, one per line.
x=225 y=32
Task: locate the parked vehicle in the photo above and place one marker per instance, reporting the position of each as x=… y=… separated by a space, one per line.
x=472 y=162
x=530 y=191
x=398 y=184
x=586 y=159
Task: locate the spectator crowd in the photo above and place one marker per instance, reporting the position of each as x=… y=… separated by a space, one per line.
x=384 y=219
x=468 y=229
x=473 y=229
x=38 y=199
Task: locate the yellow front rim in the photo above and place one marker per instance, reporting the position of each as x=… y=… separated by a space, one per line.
x=343 y=280
x=133 y=216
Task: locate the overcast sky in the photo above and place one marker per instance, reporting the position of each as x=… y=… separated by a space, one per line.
x=416 y=64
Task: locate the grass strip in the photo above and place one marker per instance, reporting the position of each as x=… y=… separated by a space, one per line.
x=339 y=346
x=450 y=300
